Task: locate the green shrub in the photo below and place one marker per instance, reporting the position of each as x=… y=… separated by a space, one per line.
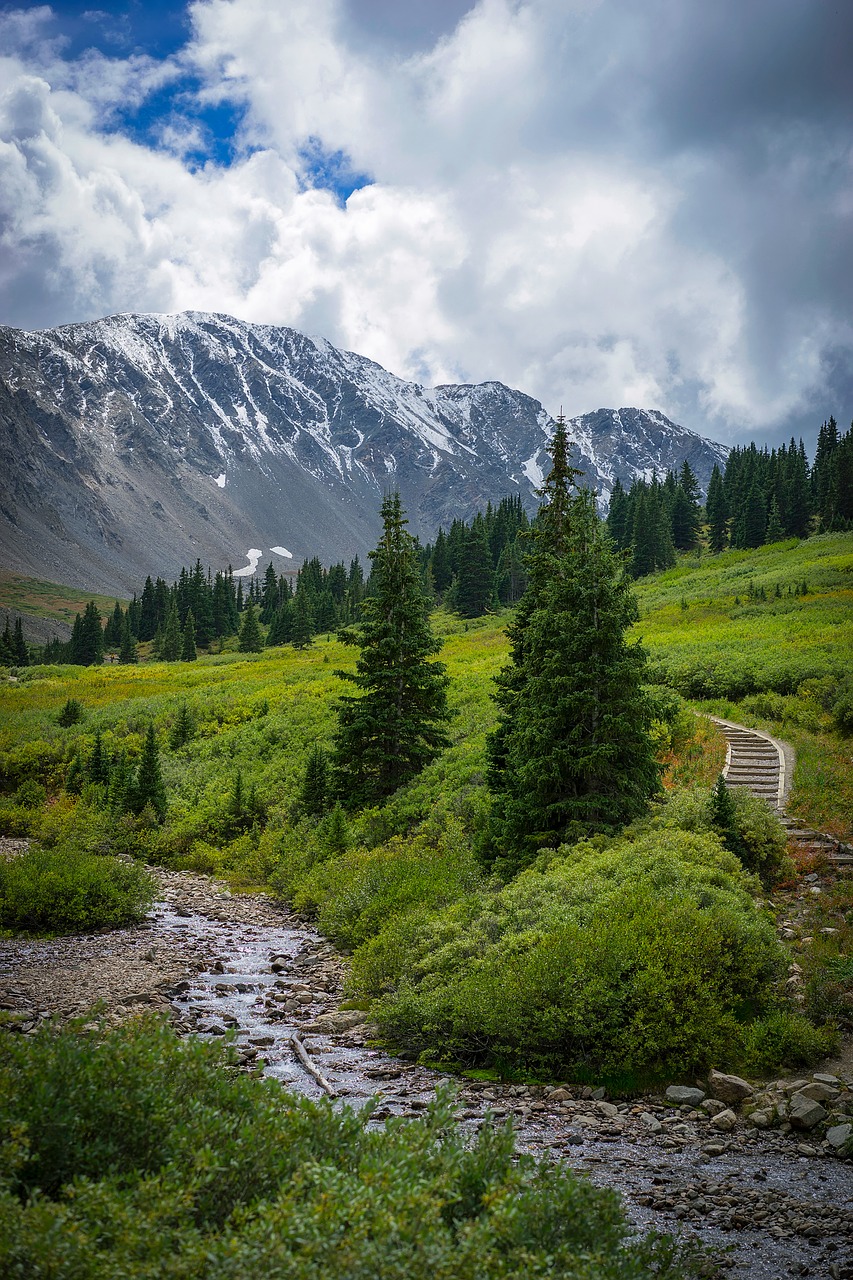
x=759 y=835
x=355 y=895
x=842 y=710
x=640 y=957
x=15 y=819
x=71 y=713
x=65 y=890
x=783 y=1039
x=183 y=1168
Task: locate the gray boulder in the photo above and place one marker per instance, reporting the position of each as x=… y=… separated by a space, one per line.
x=731 y=1089
x=804 y=1112
x=680 y=1095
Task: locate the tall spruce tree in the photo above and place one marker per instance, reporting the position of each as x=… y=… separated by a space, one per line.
x=251 y=640
x=127 y=645
x=476 y=586
x=148 y=787
x=716 y=510
x=314 y=794
x=19 y=645
x=572 y=753
x=88 y=642
x=189 y=652
x=170 y=649
x=396 y=726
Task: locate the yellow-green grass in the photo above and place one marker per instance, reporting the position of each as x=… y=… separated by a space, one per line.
x=772 y=643
x=19 y=594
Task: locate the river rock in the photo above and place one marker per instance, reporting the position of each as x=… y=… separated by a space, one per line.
x=731 y=1089
x=681 y=1094
x=761 y=1119
x=559 y=1095
x=331 y=1024
x=650 y=1122
x=839 y=1135
x=724 y=1122
x=820 y=1092
x=804 y=1112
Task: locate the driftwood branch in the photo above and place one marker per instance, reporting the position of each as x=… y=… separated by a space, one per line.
x=302 y=1054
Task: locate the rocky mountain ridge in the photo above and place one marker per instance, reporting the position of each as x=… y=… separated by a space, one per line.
x=136 y=443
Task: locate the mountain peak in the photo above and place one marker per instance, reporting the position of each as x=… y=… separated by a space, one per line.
x=137 y=443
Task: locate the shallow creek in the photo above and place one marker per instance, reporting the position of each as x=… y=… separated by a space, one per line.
x=776 y=1212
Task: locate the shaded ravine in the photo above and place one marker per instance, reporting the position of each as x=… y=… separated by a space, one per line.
x=778 y=1203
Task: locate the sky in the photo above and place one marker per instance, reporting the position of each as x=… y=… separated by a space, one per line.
x=599 y=202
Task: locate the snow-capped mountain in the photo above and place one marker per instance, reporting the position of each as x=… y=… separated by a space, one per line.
x=137 y=443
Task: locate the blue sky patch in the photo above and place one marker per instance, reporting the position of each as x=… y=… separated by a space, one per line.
x=330 y=171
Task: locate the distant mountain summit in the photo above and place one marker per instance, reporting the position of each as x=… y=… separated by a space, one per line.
x=138 y=443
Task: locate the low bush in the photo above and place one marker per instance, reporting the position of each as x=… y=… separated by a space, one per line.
x=135 y=1155
x=642 y=956
x=355 y=895
x=781 y=1039
x=66 y=890
x=759 y=835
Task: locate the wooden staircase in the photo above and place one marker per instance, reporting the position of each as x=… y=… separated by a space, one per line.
x=765 y=766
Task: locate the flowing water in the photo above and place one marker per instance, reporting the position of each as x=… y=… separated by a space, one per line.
x=270 y=983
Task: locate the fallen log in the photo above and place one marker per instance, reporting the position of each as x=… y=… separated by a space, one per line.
x=302 y=1054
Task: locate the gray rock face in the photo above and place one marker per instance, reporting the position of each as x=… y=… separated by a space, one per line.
x=136 y=444
x=731 y=1089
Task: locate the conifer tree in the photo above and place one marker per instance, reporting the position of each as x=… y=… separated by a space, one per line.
x=723 y=818
x=335 y=832
x=97 y=766
x=183 y=729
x=775 y=532
x=170 y=648
x=121 y=784
x=281 y=628
x=301 y=620
x=572 y=753
x=188 y=649
x=441 y=574
x=148 y=788
x=269 y=594
x=395 y=727
x=251 y=640
x=476 y=585
x=71 y=713
x=19 y=645
x=127 y=645
x=89 y=645
x=617 y=516
x=313 y=797
x=7 y=648
x=717 y=512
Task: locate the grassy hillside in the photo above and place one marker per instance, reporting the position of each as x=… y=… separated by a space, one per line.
x=736 y=633
x=46 y=599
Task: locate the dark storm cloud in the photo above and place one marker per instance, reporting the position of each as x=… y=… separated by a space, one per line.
x=408 y=24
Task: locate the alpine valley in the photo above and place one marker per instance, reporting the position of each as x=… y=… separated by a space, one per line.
x=139 y=443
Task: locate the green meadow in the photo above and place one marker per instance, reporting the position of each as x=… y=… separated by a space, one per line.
x=457 y=966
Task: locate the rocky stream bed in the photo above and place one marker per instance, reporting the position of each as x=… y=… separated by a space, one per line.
x=776 y=1199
